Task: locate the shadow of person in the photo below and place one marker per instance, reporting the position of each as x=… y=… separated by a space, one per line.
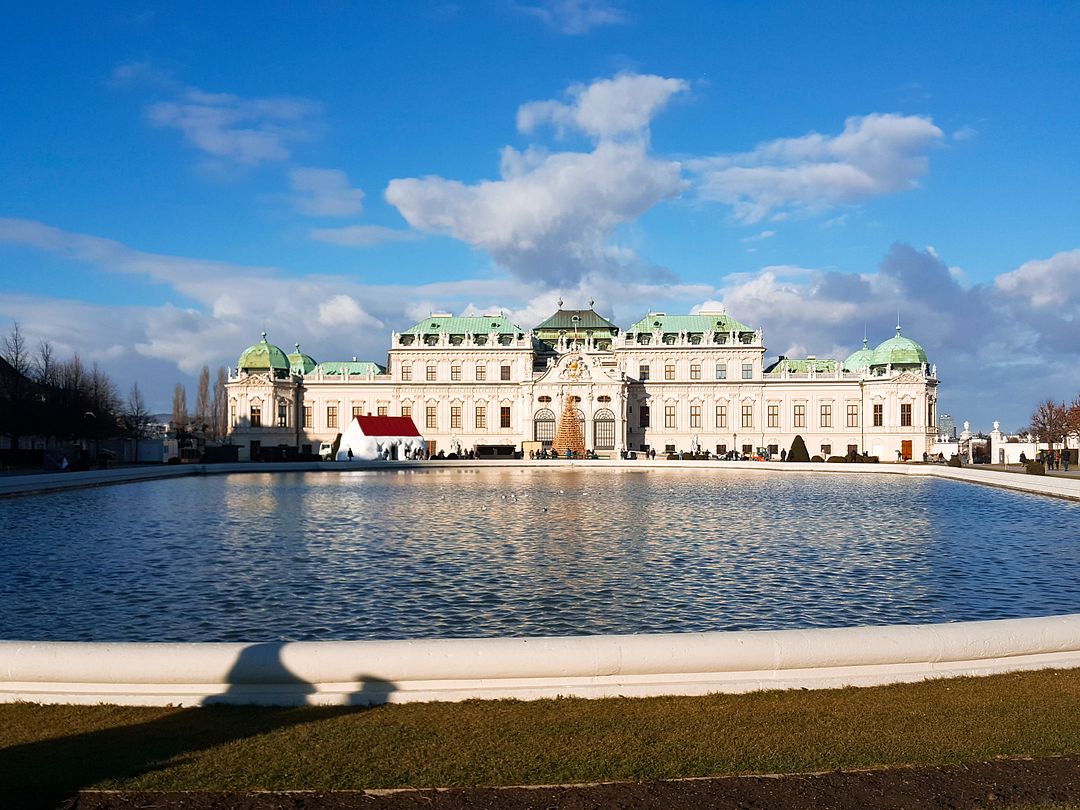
x=48 y=772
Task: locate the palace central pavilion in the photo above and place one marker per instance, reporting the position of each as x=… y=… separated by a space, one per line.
x=670 y=383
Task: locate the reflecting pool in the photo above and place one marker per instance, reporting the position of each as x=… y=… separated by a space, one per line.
x=525 y=551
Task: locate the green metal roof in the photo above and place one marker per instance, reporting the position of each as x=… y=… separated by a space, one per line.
x=263 y=356
x=300 y=363
x=476 y=324
x=689 y=323
x=563 y=321
x=803 y=365
x=899 y=351
x=860 y=359
x=350 y=366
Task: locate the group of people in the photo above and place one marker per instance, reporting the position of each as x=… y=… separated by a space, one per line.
x=1054 y=459
x=544 y=454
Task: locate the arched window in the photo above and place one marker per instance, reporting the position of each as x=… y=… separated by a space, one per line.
x=604 y=430
x=544 y=426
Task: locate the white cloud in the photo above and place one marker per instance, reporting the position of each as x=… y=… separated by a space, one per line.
x=237 y=130
x=324 y=193
x=550 y=216
x=759 y=237
x=574 y=16
x=965 y=133
x=1046 y=283
x=606 y=108
x=343 y=310
x=362 y=235
x=875 y=154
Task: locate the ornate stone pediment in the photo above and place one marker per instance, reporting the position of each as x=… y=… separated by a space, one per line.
x=578 y=367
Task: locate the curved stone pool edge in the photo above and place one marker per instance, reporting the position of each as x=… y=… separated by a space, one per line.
x=1059 y=487
x=366 y=672
x=372 y=672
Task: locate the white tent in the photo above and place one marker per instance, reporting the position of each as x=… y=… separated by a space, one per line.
x=373 y=437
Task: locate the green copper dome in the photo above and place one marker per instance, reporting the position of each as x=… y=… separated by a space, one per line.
x=899 y=351
x=859 y=360
x=300 y=363
x=263 y=356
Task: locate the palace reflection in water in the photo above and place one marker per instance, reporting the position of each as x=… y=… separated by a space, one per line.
x=517 y=551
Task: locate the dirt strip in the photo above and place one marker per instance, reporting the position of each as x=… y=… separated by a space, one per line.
x=995 y=784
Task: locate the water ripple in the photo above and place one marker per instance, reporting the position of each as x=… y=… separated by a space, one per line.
x=498 y=551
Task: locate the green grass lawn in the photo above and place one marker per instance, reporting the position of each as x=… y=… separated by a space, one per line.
x=539 y=742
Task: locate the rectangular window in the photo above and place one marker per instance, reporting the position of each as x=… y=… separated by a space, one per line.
x=721 y=449
x=853 y=449
x=747 y=416
x=852 y=415
x=695 y=371
x=669 y=416
x=406 y=410
x=431 y=373
x=669 y=448
x=695 y=416
x=826 y=450
x=383 y=411
x=481 y=373
x=504 y=413
x=879 y=415
x=826 y=416
x=504 y=373
x=748 y=371
x=721 y=373
x=643 y=372
x=774 y=416
x=798 y=416
x=905 y=414
x=721 y=416
x=406 y=373
x=357 y=410
x=455 y=373
x=481 y=417
x=282 y=417
x=643 y=416
x=748 y=449
x=432 y=419
x=309 y=419
x=331 y=416
x=669 y=371
x=455 y=417
x=256 y=416
x=774 y=449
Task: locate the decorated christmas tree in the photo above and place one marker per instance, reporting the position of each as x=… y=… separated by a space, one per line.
x=568 y=435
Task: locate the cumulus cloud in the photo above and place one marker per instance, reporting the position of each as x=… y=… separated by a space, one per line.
x=237 y=130
x=324 y=193
x=605 y=108
x=874 y=155
x=362 y=235
x=550 y=215
x=573 y=17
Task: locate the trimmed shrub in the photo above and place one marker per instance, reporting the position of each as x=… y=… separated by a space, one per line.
x=817 y=459
x=837 y=460
x=1034 y=468
x=955 y=462
x=798 y=450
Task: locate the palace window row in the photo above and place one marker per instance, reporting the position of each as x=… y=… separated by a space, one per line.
x=720 y=371
x=431 y=373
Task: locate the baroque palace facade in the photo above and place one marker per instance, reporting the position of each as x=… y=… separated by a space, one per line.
x=670 y=383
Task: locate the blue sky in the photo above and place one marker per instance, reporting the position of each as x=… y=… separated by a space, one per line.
x=176 y=177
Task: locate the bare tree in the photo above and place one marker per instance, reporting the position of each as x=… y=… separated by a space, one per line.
x=136 y=415
x=15 y=351
x=45 y=364
x=219 y=406
x=202 y=402
x=179 y=408
x=1050 y=422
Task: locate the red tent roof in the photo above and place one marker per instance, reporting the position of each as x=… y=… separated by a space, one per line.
x=387 y=426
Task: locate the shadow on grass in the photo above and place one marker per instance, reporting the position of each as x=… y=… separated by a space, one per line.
x=49 y=772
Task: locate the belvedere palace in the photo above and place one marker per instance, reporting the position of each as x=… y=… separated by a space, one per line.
x=670 y=383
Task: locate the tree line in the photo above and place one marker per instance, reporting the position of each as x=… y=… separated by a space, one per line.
x=210 y=417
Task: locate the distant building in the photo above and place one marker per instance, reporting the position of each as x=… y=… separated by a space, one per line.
x=947 y=426
x=669 y=382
